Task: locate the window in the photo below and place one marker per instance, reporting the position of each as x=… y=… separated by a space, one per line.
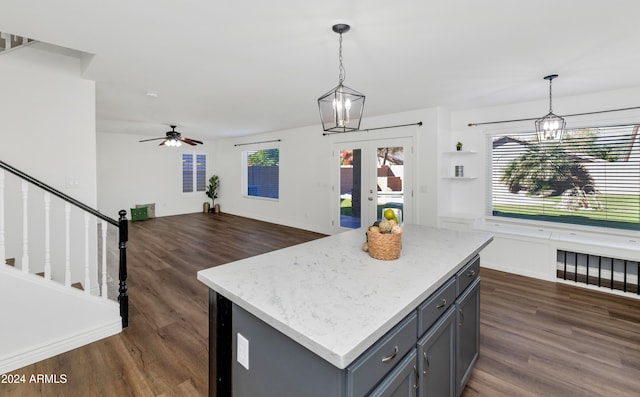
x=194 y=172
x=262 y=169
x=591 y=178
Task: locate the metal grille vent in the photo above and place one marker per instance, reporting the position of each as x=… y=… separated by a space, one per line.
x=605 y=272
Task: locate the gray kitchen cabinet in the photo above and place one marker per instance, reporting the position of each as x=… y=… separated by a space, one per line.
x=431 y=352
x=468 y=333
x=341 y=323
x=401 y=382
x=383 y=357
x=436 y=358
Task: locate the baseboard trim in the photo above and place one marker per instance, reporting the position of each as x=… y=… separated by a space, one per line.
x=16 y=360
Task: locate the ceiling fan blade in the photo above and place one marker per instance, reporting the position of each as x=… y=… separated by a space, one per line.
x=191 y=141
x=187 y=141
x=152 y=139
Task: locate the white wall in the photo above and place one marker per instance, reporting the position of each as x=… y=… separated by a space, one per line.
x=306 y=169
x=521 y=252
x=144 y=173
x=48 y=131
x=132 y=172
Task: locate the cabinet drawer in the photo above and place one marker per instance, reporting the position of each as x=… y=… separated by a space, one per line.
x=401 y=381
x=382 y=357
x=437 y=304
x=467 y=275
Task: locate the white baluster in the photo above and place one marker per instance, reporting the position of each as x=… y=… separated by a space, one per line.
x=3 y=252
x=104 y=260
x=87 y=281
x=7 y=41
x=25 y=227
x=67 y=248
x=47 y=235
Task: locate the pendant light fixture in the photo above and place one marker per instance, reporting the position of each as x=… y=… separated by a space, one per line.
x=341 y=108
x=550 y=128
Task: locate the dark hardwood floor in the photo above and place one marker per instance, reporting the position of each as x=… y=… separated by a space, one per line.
x=537 y=338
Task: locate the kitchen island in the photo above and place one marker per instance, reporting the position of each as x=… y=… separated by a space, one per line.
x=311 y=320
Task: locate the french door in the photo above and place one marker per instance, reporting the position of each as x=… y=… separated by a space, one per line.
x=370 y=177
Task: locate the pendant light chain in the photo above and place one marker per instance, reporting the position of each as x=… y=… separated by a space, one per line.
x=550 y=100
x=341 y=71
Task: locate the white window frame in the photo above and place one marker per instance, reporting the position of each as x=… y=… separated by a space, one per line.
x=556 y=224
x=245 y=178
x=194 y=186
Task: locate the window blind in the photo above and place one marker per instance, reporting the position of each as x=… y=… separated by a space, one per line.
x=201 y=172
x=592 y=177
x=187 y=173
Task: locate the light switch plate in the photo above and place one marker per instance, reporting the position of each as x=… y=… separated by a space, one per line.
x=242 y=354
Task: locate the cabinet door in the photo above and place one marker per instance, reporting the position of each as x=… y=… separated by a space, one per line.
x=468 y=335
x=436 y=364
x=401 y=382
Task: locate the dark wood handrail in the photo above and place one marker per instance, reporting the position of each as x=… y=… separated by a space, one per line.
x=58 y=193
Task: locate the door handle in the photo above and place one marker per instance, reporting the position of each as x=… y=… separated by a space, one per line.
x=426 y=363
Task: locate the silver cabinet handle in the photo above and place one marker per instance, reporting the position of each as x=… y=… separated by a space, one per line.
x=461 y=317
x=442 y=304
x=415 y=371
x=426 y=363
x=392 y=356
x=471 y=273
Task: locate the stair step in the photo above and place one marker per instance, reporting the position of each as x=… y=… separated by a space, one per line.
x=10 y=261
x=77 y=285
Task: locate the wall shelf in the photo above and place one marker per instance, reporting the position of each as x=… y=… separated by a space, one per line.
x=455 y=159
x=461 y=152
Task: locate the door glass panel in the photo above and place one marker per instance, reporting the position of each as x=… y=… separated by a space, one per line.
x=390 y=162
x=350 y=188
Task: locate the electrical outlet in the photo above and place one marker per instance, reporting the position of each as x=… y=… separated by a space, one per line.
x=242 y=354
x=71 y=183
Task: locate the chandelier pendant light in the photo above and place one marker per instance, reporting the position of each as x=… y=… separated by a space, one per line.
x=341 y=108
x=550 y=128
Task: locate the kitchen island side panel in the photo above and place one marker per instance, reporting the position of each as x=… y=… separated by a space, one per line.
x=279 y=366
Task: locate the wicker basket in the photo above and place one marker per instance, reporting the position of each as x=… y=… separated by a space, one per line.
x=384 y=246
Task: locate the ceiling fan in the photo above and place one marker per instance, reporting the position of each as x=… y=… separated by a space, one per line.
x=174 y=138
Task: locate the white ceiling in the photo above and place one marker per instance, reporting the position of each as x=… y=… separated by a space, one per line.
x=243 y=67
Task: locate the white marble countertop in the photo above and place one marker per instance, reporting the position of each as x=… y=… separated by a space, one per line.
x=333 y=298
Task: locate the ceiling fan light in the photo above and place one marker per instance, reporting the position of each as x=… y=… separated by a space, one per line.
x=174 y=139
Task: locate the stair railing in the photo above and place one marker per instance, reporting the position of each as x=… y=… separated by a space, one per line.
x=121 y=224
x=10 y=41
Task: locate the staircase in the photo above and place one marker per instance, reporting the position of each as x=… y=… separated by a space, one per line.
x=10 y=41
x=54 y=287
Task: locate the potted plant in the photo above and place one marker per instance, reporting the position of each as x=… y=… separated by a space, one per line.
x=212 y=192
x=459 y=146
